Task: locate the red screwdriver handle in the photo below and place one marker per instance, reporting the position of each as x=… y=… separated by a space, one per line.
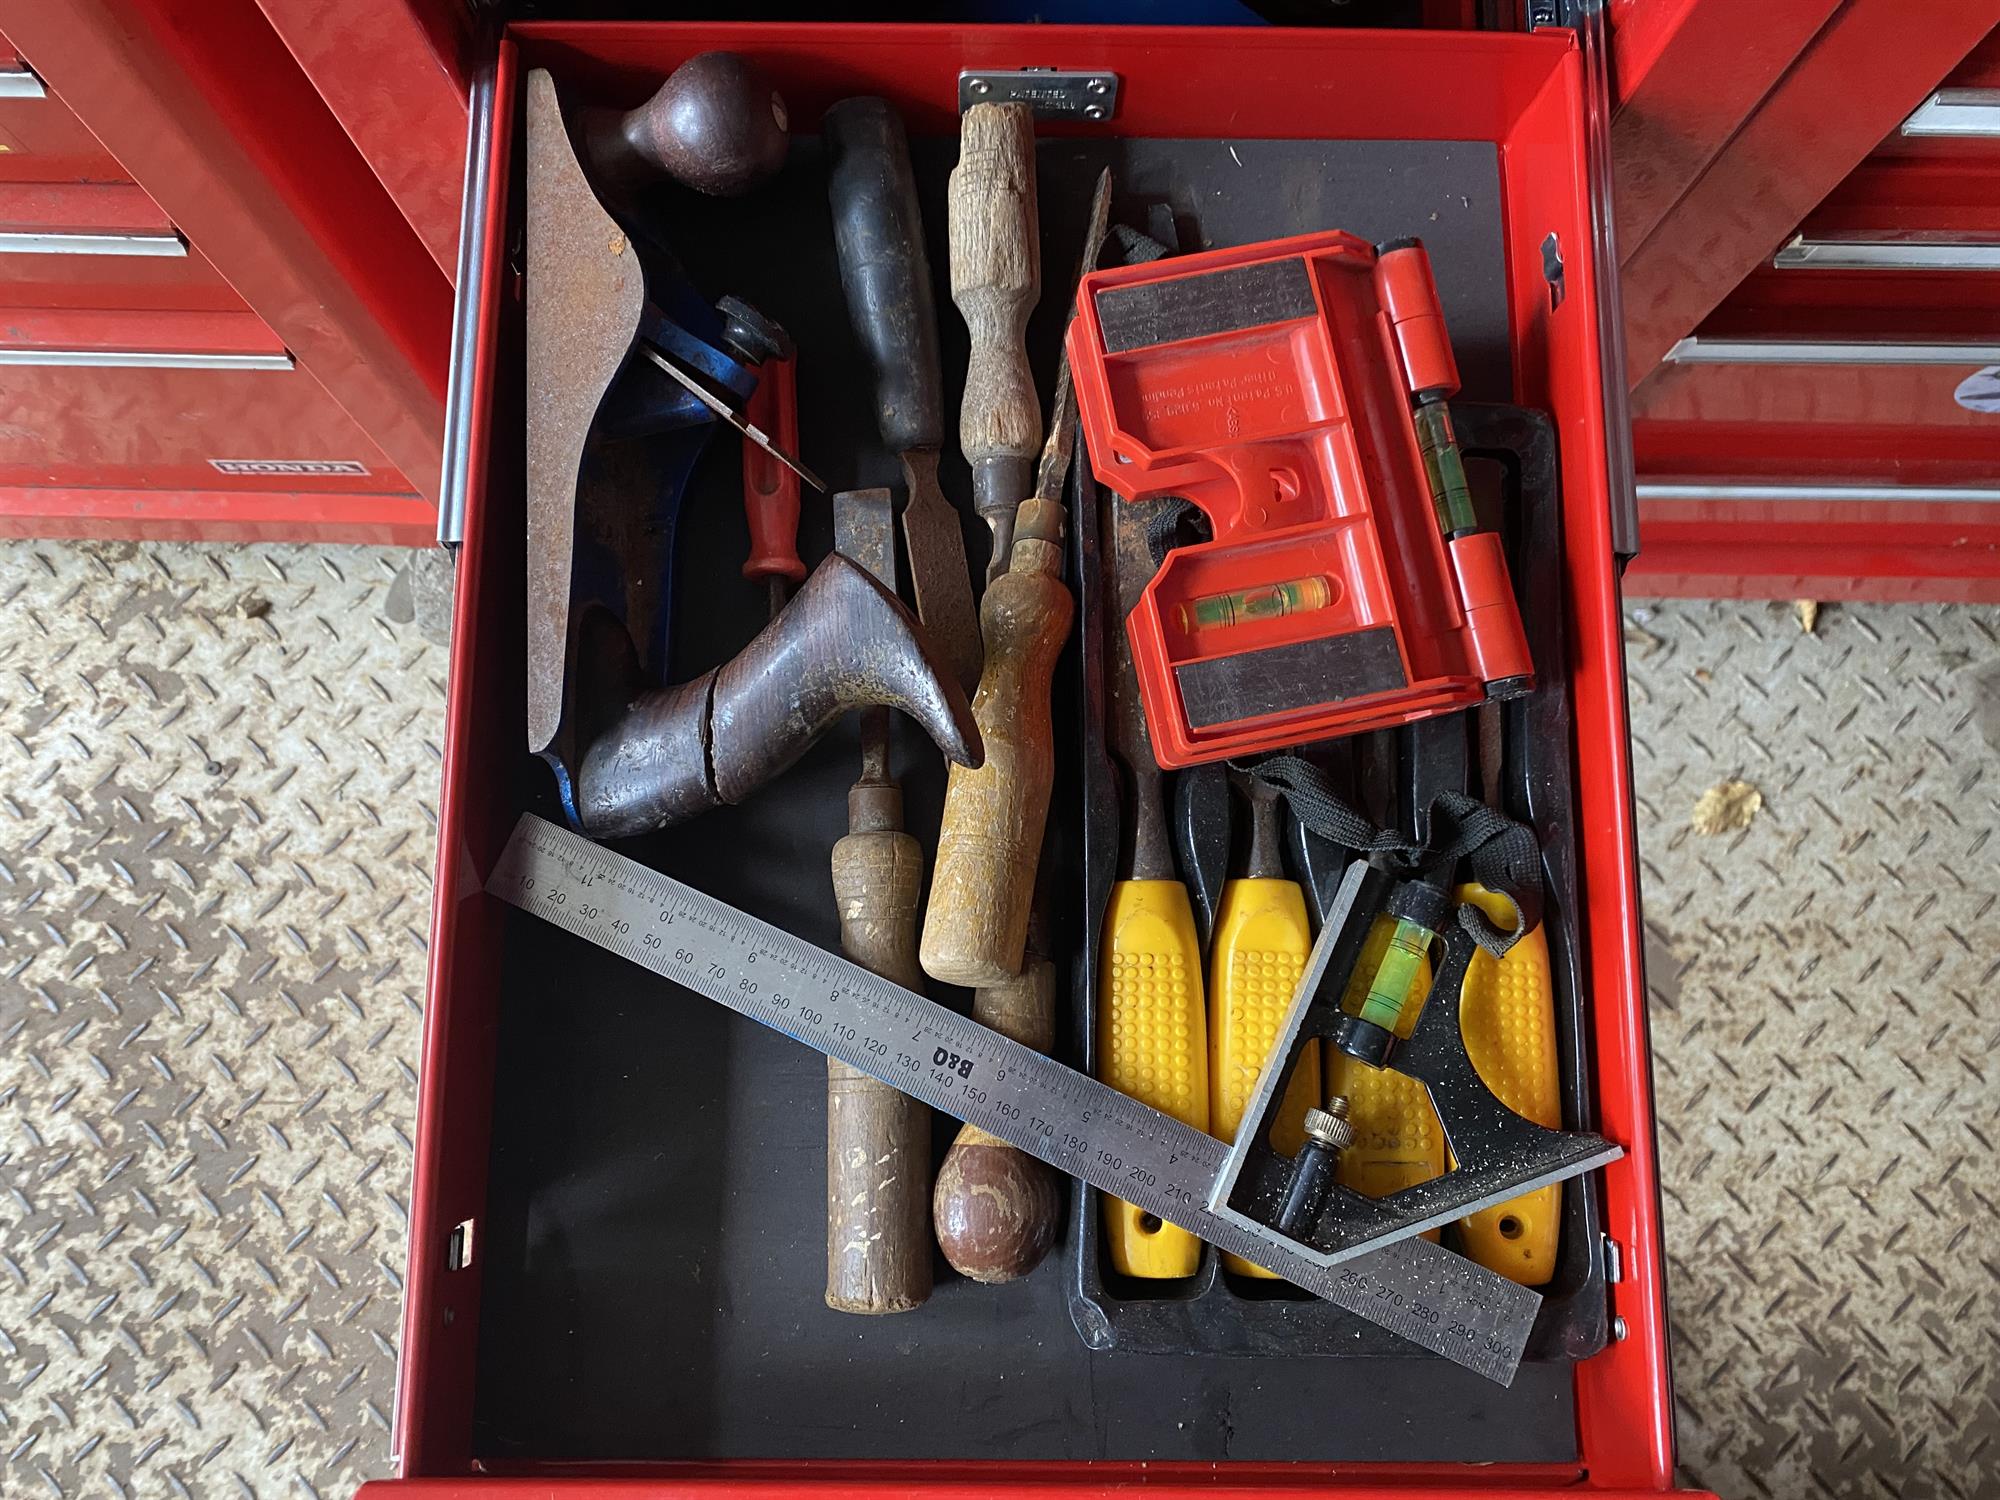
x=770 y=490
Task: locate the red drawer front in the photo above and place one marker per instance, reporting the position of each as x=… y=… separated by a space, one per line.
x=99 y=245
x=1823 y=433
x=41 y=140
x=125 y=422
x=1525 y=92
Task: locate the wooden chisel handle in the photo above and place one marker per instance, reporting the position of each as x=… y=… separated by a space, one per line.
x=878 y=1155
x=879 y=235
x=996 y=279
x=976 y=927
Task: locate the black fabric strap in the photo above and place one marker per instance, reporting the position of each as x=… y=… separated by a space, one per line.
x=1503 y=854
x=1174 y=522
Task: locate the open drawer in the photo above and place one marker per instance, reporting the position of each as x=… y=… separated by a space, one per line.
x=616 y=1219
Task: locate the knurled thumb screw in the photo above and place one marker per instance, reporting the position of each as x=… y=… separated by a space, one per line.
x=1330 y=1126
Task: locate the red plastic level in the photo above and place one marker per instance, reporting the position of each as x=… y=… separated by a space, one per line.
x=1271 y=385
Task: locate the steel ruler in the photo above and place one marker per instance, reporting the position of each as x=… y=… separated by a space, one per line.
x=1435 y=1299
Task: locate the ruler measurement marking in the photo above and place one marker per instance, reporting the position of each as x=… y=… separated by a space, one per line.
x=1433 y=1298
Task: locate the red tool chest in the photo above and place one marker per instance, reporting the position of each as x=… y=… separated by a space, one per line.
x=148 y=388
x=1520 y=99
x=1812 y=428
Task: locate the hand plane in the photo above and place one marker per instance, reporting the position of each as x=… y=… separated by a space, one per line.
x=629 y=372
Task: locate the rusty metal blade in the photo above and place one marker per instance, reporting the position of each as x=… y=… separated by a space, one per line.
x=585 y=292
x=864 y=532
x=1061 y=443
x=938 y=568
x=722 y=409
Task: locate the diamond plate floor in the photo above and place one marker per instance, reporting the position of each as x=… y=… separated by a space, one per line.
x=1823 y=1028
x=219 y=774
x=218 y=778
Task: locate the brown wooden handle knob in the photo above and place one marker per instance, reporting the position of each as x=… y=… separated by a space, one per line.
x=996 y=1208
x=716 y=124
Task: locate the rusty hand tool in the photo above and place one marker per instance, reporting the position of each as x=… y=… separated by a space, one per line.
x=991 y=837
x=996 y=279
x=1151 y=1023
x=771 y=488
x=878 y=1152
x=887 y=281
x=716 y=124
x=609 y=453
x=843 y=642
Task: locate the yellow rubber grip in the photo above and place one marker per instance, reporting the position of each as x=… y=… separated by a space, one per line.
x=1398 y=1142
x=1258 y=953
x=1152 y=1044
x=1508 y=1013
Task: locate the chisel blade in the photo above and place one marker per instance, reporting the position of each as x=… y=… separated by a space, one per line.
x=864 y=532
x=936 y=545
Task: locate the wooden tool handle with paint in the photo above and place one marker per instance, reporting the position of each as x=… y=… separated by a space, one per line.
x=878 y=1154
x=976 y=927
x=996 y=279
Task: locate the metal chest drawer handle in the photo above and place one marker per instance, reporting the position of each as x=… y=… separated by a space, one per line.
x=144 y=359
x=19 y=83
x=52 y=242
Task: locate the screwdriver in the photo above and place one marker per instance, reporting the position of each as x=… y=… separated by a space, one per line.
x=1260 y=945
x=770 y=488
x=1150 y=1018
x=990 y=837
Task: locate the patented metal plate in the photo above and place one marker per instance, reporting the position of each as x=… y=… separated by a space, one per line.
x=1052 y=93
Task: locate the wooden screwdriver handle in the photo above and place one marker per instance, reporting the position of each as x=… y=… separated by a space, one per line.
x=991 y=838
x=996 y=1208
x=996 y=279
x=878 y=1154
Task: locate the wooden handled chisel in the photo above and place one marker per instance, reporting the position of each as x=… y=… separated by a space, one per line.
x=878 y=232
x=878 y=1140
x=990 y=837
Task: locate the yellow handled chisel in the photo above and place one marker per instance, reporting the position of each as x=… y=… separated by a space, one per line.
x=1151 y=1025
x=1258 y=953
x=1507 y=1012
x=1507 y=1016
